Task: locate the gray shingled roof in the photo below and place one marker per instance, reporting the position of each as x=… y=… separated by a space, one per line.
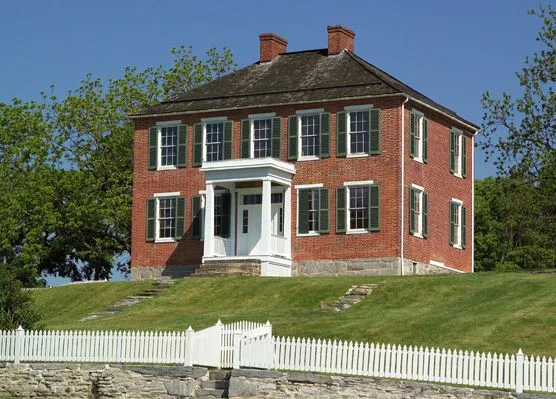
x=295 y=77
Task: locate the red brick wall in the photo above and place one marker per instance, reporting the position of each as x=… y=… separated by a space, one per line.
x=384 y=169
x=441 y=186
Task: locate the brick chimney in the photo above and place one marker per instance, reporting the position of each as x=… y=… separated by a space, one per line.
x=339 y=38
x=271 y=46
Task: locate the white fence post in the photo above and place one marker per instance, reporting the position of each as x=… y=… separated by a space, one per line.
x=269 y=328
x=18 y=344
x=237 y=349
x=189 y=347
x=519 y=372
x=219 y=328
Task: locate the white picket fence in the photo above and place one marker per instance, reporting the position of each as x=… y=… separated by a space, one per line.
x=519 y=372
x=213 y=346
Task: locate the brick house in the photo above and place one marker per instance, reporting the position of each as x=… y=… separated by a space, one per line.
x=310 y=162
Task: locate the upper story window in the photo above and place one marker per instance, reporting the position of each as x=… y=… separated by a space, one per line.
x=212 y=140
x=358 y=207
x=165 y=217
x=313 y=214
x=261 y=136
x=167 y=145
x=458 y=223
x=458 y=153
x=418 y=211
x=418 y=137
x=309 y=135
x=358 y=131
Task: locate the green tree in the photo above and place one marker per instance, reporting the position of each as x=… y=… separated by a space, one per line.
x=520 y=133
x=16 y=305
x=66 y=168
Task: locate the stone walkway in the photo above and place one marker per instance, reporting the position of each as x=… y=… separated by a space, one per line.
x=160 y=285
x=354 y=295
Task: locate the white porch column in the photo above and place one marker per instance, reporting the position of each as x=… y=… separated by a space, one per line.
x=266 y=219
x=288 y=220
x=209 y=221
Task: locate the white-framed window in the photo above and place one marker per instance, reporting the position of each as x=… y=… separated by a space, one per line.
x=309 y=136
x=165 y=149
x=358 y=132
x=458 y=153
x=418 y=211
x=213 y=140
x=262 y=137
x=164 y=212
x=166 y=221
x=458 y=215
x=358 y=208
x=168 y=144
x=418 y=137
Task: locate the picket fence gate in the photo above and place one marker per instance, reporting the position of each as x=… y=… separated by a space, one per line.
x=213 y=346
x=519 y=372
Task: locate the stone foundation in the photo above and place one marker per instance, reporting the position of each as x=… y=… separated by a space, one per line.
x=173 y=271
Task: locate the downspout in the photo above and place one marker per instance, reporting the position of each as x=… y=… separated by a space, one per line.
x=473 y=204
x=402 y=186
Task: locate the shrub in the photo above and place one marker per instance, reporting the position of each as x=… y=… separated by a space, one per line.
x=16 y=304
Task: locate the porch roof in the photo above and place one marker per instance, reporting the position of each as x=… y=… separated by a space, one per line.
x=253 y=169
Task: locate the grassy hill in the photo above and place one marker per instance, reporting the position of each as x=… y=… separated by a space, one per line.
x=484 y=311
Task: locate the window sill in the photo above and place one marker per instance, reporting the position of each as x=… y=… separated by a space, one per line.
x=457 y=246
x=418 y=235
x=357 y=231
x=458 y=175
x=167 y=168
x=164 y=240
x=308 y=158
x=357 y=155
x=417 y=159
x=309 y=234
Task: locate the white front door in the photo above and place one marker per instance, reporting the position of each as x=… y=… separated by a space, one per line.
x=249 y=229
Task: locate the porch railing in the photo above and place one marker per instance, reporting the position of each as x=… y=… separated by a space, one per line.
x=222 y=246
x=279 y=245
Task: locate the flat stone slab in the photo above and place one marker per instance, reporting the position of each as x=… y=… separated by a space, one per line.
x=254 y=373
x=169 y=371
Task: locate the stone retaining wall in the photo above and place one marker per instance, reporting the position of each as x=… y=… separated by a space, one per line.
x=277 y=385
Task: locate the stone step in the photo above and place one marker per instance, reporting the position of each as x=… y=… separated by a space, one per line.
x=211 y=393
x=222 y=375
x=215 y=384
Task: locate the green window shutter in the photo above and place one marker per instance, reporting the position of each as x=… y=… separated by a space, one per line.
x=374 y=208
x=246 y=138
x=374 y=133
x=198 y=145
x=276 y=143
x=452 y=223
x=341 y=134
x=412 y=128
x=411 y=210
x=425 y=138
x=182 y=146
x=325 y=135
x=226 y=212
x=463 y=226
x=196 y=217
x=303 y=211
x=425 y=205
x=463 y=155
x=228 y=140
x=324 y=211
x=151 y=219
x=452 y=151
x=153 y=148
x=292 y=137
x=180 y=218
x=340 y=209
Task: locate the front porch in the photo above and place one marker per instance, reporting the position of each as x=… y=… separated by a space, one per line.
x=248 y=216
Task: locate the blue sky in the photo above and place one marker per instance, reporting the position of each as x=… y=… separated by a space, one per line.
x=450 y=51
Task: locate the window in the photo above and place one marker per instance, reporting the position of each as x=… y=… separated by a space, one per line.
x=214 y=138
x=165 y=217
x=262 y=138
x=310 y=132
x=167 y=146
x=458 y=153
x=357 y=207
x=313 y=215
x=458 y=214
x=218 y=215
x=418 y=211
x=309 y=135
x=358 y=131
x=418 y=137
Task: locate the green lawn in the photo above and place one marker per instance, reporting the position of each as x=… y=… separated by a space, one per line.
x=483 y=311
